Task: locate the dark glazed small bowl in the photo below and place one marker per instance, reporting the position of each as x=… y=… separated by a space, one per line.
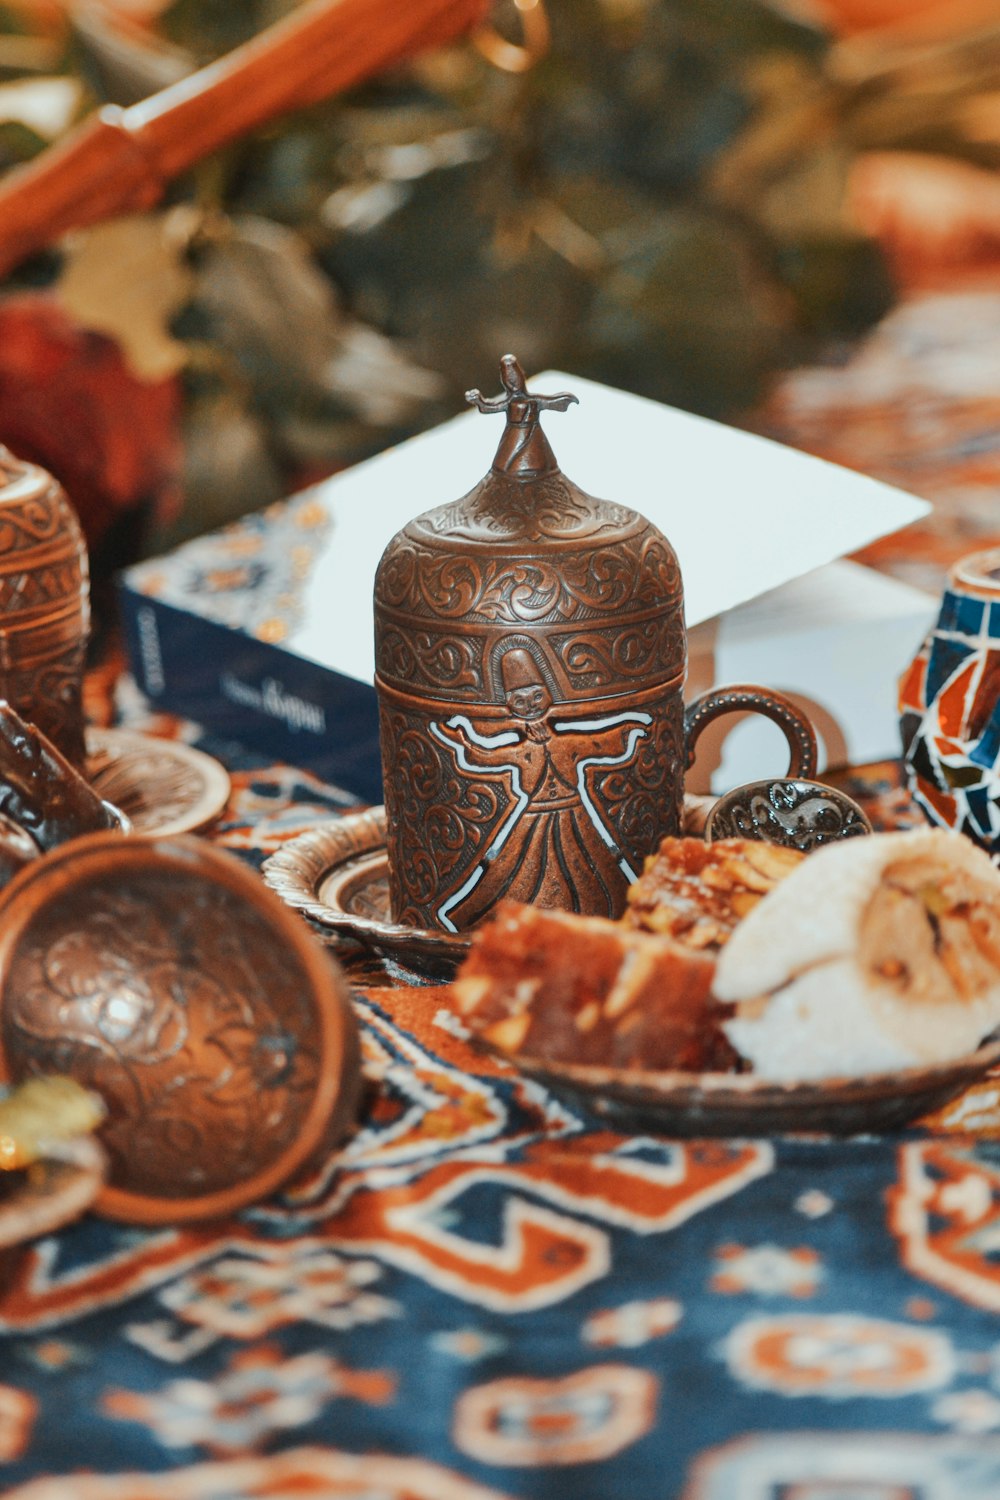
x=162 y=974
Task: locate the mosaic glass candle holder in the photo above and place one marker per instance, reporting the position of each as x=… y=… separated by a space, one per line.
x=949 y=704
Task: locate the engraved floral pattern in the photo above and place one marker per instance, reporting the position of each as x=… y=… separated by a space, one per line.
x=44 y=607
x=500 y=506
x=438 y=819
x=182 y=1016
x=425 y=659
x=636 y=573
x=634 y=652
x=643 y=800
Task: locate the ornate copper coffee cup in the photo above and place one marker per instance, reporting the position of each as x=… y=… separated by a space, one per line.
x=530 y=662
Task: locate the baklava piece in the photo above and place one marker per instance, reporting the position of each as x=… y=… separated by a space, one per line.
x=696 y=893
x=565 y=988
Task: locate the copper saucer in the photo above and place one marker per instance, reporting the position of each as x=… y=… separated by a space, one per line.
x=337 y=875
x=739 y=1104
x=162 y=786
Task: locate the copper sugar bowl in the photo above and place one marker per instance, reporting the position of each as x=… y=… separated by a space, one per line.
x=44 y=604
x=530 y=654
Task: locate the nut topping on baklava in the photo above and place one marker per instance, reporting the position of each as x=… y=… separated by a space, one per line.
x=696 y=893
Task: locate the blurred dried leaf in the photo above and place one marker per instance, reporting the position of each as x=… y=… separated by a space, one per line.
x=275 y=314
x=69 y=402
x=667 y=319
x=140 y=13
x=927 y=211
x=373 y=377
x=18 y=143
x=127 y=278
x=795 y=112
x=881 y=24
x=268 y=305
x=228 y=468
x=127 y=62
x=28 y=54
x=45 y=18
x=809 y=199
x=45 y=106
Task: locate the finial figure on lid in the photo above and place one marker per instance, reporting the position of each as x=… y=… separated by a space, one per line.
x=524 y=448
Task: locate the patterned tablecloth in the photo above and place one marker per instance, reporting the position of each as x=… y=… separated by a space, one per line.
x=489 y=1294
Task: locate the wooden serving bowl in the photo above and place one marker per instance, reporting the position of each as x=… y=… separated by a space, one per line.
x=162 y=974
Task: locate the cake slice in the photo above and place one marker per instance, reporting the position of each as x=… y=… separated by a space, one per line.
x=565 y=988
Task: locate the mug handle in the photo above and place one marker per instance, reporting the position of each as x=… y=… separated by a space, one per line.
x=748 y=698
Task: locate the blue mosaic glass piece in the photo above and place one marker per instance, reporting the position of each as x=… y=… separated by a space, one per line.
x=945 y=658
x=986 y=750
x=995 y=620
x=980 y=805
x=962 y=613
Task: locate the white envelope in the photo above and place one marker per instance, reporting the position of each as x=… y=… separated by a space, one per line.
x=744 y=514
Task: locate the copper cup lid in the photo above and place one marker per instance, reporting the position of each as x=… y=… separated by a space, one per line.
x=164 y=975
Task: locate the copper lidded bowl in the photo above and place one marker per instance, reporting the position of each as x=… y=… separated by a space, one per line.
x=530 y=656
x=162 y=974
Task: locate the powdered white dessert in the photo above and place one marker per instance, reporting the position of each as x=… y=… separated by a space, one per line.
x=874 y=954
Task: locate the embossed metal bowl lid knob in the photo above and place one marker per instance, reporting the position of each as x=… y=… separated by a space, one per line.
x=527 y=550
x=162 y=974
x=28 y=484
x=14 y=471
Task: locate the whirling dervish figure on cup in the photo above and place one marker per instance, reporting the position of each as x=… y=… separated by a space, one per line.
x=554 y=841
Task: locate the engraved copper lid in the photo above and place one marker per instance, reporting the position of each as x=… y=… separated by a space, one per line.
x=28 y=484
x=163 y=975
x=44 y=603
x=586 y=589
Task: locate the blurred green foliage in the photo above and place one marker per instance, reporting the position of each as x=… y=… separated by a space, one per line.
x=657 y=204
